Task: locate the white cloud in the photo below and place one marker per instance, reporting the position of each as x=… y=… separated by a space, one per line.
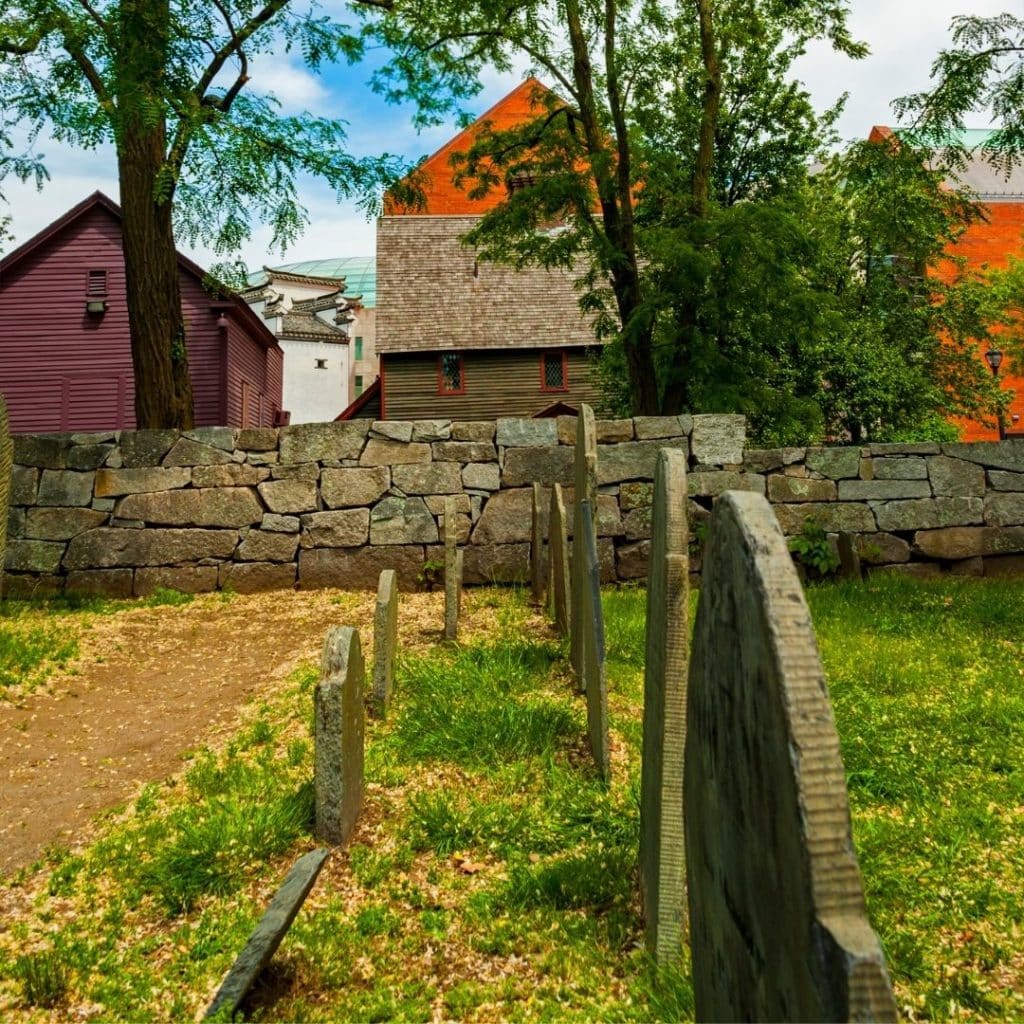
x=296 y=87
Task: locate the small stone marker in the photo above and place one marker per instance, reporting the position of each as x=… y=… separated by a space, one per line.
x=385 y=640
x=849 y=557
x=558 y=560
x=338 y=737
x=452 y=572
x=662 y=852
x=586 y=490
x=778 y=925
x=267 y=935
x=537 y=548
x=592 y=677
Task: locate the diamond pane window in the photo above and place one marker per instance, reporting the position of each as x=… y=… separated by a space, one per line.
x=553 y=372
x=450 y=374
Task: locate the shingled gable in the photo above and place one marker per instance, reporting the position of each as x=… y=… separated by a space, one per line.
x=228 y=300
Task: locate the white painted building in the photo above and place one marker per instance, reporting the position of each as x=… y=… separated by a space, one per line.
x=322 y=332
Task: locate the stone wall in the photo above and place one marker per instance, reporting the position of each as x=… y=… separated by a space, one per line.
x=332 y=504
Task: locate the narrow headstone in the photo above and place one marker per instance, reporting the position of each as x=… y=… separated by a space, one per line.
x=537 y=548
x=385 y=640
x=849 y=557
x=593 y=678
x=558 y=559
x=452 y=572
x=6 y=469
x=778 y=924
x=662 y=847
x=586 y=490
x=338 y=736
x=267 y=935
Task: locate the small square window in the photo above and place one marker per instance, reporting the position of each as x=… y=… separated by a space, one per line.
x=359 y=384
x=554 y=373
x=451 y=374
x=359 y=347
x=321 y=364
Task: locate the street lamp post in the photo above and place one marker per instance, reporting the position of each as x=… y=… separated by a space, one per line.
x=994 y=358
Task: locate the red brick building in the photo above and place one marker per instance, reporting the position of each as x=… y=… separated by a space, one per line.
x=65 y=351
x=985 y=245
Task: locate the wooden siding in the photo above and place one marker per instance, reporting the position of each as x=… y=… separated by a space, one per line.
x=247 y=365
x=62 y=369
x=497 y=383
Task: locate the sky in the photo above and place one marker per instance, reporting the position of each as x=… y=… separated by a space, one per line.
x=904 y=37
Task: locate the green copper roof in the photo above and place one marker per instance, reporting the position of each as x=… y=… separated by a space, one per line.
x=969 y=138
x=360 y=273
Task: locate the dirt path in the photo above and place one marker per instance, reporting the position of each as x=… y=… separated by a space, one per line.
x=149 y=684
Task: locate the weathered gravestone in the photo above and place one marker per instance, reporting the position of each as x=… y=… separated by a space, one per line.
x=662 y=854
x=6 y=468
x=849 y=557
x=595 y=684
x=558 y=562
x=586 y=491
x=267 y=935
x=452 y=572
x=537 y=548
x=778 y=925
x=385 y=640
x=338 y=736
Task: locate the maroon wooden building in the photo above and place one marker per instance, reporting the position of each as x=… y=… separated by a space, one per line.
x=65 y=352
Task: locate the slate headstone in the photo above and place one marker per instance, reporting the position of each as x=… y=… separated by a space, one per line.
x=452 y=572
x=592 y=663
x=585 y=490
x=267 y=935
x=849 y=557
x=537 y=547
x=338 y=736
x=778 y=924
x=662 y=852
x=558 y=559
x=385 y=640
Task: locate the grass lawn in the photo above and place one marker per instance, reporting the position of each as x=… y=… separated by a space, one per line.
x=493 y=877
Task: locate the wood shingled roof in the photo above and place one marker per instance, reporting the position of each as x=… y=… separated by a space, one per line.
x=434 y=295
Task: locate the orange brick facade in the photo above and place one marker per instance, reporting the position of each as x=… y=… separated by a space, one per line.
x=988 y=245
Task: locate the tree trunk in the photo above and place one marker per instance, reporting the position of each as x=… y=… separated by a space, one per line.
x=163 y=388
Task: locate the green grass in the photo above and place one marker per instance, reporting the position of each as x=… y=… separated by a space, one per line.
x=493 y=876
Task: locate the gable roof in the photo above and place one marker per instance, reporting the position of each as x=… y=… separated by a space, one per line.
x=433 y=177
x=436 y=296
x=987 y=182
x=359 y=404
x=100 y=201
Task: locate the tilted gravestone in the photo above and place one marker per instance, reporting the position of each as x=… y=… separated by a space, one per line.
x=452 y=572
x=338 y=736
x=6 y=468
x=585 y=490
x=385 y=640
x=778 y=924
x=558 y=562
x=594 y=679
x=537 y=548
x=267 y=935
x=662 y=853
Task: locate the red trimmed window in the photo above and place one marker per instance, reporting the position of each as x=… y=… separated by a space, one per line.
x=554 y=371
x=451 y=374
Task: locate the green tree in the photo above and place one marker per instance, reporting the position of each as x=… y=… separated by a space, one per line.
x=830 y=309
x=168 y=83
x=618 y=65
x=983 y=71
